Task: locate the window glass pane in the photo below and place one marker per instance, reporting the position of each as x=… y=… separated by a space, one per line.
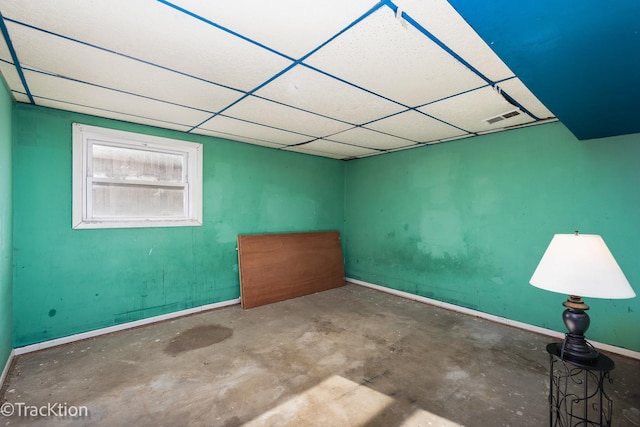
x=137 y=201
x=122 y=179
x=125 y=163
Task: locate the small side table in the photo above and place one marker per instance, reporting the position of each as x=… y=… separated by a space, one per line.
x=576 y=390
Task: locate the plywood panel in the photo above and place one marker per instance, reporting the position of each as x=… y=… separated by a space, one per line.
x=276 y=267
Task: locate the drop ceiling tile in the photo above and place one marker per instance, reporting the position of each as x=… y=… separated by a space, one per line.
x=278 y=24
x=70 y=59
x=21 y=97
x=156 y=33
x=67 y=91
x=7 y=68
x=370 y=139
x=393 y=59
x=317 y=153
x=441 y=19
x=415 y=126
x=518 y=91
x=252 y=131
x=280 y=116
x=469 y=111
x=5 y=55
x=313 y=91
x=336 y=150
x=237 y=138
x=11 y=76
x=4 y=50
x=44 y=102
x=455 y=138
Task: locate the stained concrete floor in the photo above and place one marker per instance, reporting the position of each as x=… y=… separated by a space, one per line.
x=346 y=357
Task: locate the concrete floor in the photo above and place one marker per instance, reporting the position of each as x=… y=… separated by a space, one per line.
x=346 y=357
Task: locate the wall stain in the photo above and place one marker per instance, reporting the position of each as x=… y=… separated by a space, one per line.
x=197 y=337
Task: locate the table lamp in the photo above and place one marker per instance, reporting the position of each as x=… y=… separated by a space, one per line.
x=580 y=265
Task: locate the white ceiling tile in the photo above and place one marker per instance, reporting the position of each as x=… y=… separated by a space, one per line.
x=441 y=19
x=335 y=149
x=11 y=76
x=252 y=131
x=68 y=91
x=468 y=135
x=469 y=111
x=66 y=58
x=393 y=59
x=518 y=91
x=269 y=113
x=5 y=55
x=154 y=32
x=21 y=97
x=415 y=126
x=370 y=139
x=291 y=27
x=4 y=50
x=7 y=68
x=313 y=91
x=108 y=114
x=237 y=138
x=303 y=150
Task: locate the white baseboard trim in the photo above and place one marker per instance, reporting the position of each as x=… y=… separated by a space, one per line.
x=5 y=370
x=121 y=327
x=520 y=325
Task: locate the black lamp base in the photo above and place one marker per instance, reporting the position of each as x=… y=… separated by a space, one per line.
x=575 y=347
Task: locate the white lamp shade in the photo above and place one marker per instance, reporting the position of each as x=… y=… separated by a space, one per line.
x=581 y=265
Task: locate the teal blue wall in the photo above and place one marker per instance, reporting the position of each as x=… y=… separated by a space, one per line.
x=467 y=221
x=6 y=215
x=463 y=222
x=70 y=281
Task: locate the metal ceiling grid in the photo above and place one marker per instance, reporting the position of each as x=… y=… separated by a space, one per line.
x=327 y=79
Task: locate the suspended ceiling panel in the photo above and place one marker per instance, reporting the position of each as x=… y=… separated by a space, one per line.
x=110 y=114
x=421 y=70
x=519 y=91
x=81 y=94
x=153 y=32
x=335 y=79
x=227 y=135
x=312 y=91
x=280 y=116
x=417 y=127
x=291 y=27
x=470 y=111
x=370 y=139
x=336 y=149
x=11 y=76
x=443 y=22
x=234 y=127
x=22 y=97
x=7 y=68
x=68 y=59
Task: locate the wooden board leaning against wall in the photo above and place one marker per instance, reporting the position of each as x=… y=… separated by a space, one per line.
x=276 y=267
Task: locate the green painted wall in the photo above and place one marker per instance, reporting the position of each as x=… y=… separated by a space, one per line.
x=463 y=222
x=466 y=222
x=6 y=216
x=69 y=281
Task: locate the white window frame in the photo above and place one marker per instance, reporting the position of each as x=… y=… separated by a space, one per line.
x=83 y=138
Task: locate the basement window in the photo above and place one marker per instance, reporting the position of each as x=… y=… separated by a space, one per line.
x=123 y=180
